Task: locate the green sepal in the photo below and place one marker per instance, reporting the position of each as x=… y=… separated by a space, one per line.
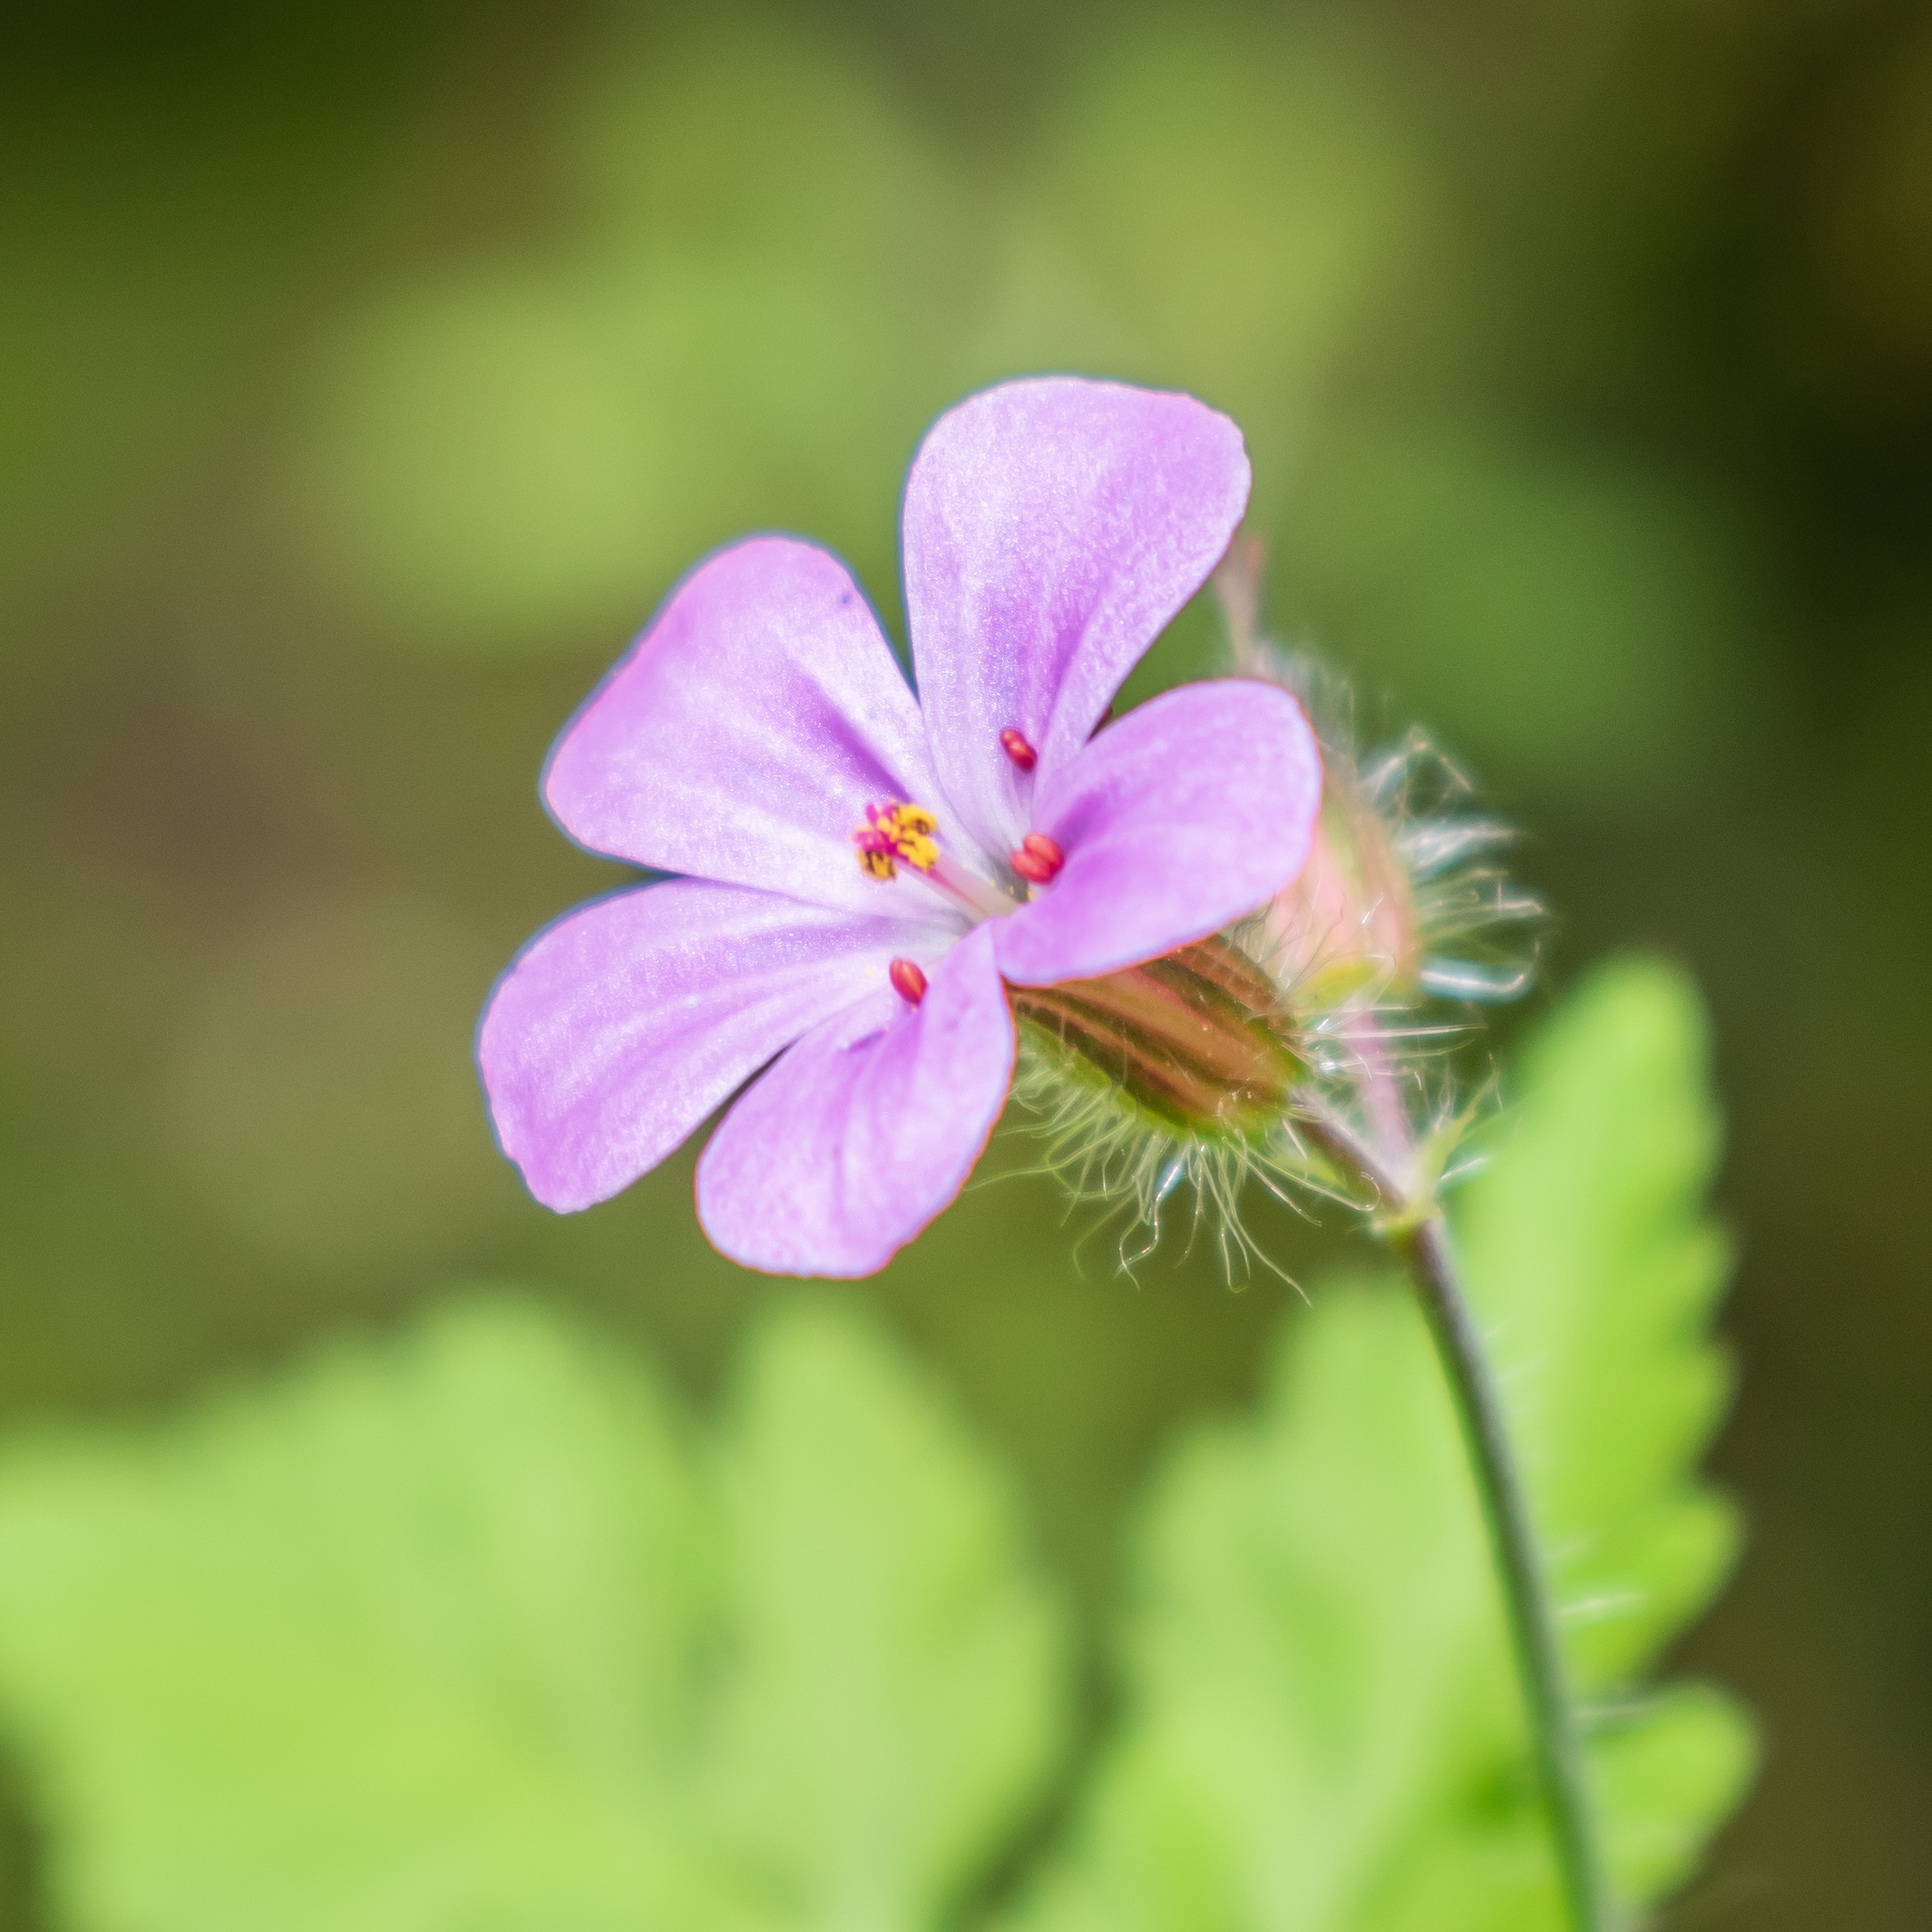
x=1196 y=1043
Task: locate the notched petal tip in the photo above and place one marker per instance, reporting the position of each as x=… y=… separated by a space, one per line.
x=1068 y=519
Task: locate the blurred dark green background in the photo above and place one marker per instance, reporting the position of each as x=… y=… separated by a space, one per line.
x=366 y=374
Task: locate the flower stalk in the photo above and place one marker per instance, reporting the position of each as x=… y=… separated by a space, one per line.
x=1415 y=1225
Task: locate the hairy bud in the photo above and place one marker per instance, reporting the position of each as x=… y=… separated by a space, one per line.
x=1237 y=1059
x=1195 y=1042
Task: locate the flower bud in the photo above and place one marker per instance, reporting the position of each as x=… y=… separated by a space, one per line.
x=1347 y=924
x=1194 y=1043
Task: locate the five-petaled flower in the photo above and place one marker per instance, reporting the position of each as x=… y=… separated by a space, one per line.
x=861 y=870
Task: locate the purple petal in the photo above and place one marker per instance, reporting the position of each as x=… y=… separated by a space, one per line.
x=865 y=1129
x=623 y=1025
x=1051 y=530
x=746 y=733
x=1194 y=809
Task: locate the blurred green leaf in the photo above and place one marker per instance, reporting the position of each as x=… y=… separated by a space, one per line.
x=462 y=1631
x=768 y=141
x=139 y=263
x=1577 y=622
x=896 y=1677
x=777 y=278
x=501 y=463
x=748 y=328
x=1323 y=1727
x=1251 y=190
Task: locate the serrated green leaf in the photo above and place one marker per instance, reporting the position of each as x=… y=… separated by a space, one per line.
x=460 y=1632
x=1323 y=1728
x=1597 y=1269
x=403 y=1642
x=897 y=1680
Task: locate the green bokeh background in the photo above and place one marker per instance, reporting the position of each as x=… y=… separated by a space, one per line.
x=367 y=374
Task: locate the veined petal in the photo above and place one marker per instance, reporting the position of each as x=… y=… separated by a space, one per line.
x=1051 y=529
x=1191 y=810
x=746 y=733
x=865 y=1129
x=620 y=1027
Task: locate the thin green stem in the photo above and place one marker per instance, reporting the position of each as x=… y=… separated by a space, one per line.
x=1425 y=1248
x=1420 y=1234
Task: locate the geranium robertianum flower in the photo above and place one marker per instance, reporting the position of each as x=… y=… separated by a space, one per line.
x=865 y=874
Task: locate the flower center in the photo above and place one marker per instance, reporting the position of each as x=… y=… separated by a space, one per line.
x=895 y=832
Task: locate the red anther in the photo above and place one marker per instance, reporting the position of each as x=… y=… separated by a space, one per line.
x=1014 y=744
x=908 y=982
x=1038 y=858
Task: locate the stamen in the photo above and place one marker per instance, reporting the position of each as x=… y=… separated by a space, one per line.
x=895 y=832
x=1014 y=744
x=1039 y=859
x=908 y=982
x=892 y=833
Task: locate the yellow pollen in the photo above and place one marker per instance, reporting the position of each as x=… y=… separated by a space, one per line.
x=896 y=832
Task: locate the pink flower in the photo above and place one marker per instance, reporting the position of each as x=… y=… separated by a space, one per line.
x=861 y=870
